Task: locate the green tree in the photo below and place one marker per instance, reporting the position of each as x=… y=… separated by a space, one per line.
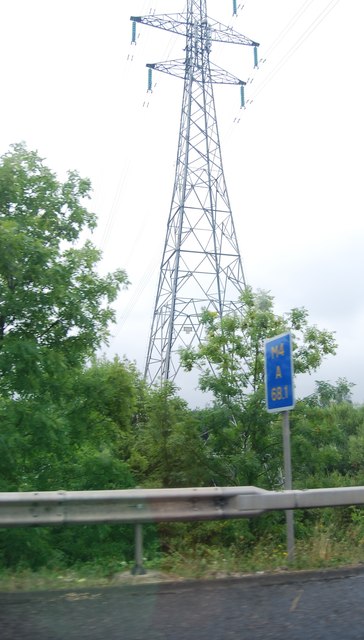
x=55 y=311
x=325 y=425
x=54 y=306
x=245 y=443
x=103 y=409
x=231 y=358
x=327 y=394
x=100 y=434
x=168 y=450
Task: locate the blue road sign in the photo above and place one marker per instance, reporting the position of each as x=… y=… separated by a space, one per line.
x=279 y=373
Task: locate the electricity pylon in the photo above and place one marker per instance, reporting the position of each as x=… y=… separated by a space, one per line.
x=201 y=266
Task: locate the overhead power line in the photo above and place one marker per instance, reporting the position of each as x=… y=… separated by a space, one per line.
x=299 y=42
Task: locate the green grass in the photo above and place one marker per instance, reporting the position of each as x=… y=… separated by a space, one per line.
x=315 y=553
x=322 y=550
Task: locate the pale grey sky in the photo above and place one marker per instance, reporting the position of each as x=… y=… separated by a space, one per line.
x=75 y=89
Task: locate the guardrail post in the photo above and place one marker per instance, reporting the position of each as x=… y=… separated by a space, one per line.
x=138 y=569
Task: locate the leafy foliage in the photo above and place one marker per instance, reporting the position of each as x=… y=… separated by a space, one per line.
x=167 y=448
x=54 y=307
x=231 y=358
x=327 y=394
x=247 y=444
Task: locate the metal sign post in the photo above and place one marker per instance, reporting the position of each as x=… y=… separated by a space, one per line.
x=280 y=397
x=288 y=484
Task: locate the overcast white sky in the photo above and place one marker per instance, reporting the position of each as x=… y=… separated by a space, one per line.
x=74 y=88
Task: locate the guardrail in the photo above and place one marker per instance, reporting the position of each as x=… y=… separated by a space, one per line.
x=138 y=506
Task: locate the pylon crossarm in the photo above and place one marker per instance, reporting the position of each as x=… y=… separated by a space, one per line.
x=221 y=33
x=173 y=22
x=220 y=76
x=178 y=68
x=172 y=67
x=177 y=23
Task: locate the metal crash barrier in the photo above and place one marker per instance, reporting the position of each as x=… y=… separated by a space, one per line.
x=138 y=506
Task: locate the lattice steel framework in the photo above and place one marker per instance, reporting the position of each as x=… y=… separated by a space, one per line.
x=201 y=266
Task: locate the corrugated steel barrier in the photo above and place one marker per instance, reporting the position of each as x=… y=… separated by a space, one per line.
x=138 y=506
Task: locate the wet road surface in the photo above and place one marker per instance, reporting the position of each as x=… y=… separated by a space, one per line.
x=327 y=605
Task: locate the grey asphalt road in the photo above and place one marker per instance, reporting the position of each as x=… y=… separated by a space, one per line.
x=327 y=605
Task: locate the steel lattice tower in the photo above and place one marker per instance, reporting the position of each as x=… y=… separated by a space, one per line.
x=201 y=266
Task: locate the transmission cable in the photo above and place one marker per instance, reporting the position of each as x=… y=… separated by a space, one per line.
x=299 y=42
